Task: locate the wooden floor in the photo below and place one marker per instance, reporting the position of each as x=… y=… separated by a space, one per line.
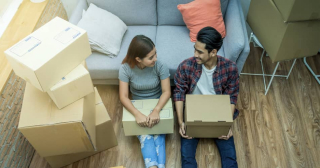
x=279 y=130
x=15 y=150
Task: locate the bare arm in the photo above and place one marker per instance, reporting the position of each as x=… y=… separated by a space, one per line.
x=233 y=108
x=165 y=96
x=141 y=119
x=179 y=109
x=166 y=93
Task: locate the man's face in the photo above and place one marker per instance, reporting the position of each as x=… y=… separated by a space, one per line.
x=200 y=53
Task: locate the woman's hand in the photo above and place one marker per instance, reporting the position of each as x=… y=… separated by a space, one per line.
x=142 y=120
x=154 y=118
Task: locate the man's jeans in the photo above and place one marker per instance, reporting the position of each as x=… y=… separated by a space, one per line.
x=226 y=149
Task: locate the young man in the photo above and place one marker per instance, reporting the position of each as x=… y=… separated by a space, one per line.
x=208 y=74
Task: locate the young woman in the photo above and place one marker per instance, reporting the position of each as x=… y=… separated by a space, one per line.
x=147 y=79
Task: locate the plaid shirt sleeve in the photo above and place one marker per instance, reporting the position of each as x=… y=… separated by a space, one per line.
x=180 y=80
x=232 y=88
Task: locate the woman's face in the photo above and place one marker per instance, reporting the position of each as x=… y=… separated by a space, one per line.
x=150 y=59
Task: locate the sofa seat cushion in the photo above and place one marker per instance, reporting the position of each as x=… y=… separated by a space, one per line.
x=102 y=67
x=173 y=46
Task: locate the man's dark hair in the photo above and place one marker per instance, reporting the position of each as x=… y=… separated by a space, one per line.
x=211 y=37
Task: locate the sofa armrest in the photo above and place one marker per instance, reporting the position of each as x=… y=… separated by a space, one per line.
x=77 y=12
x=246 y=50
x=235 y=40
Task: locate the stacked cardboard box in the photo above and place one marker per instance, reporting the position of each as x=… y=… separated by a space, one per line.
x=105 y=137
x=286 y=29
x=60 y=108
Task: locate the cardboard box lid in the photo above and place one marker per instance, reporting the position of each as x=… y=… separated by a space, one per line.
x=298 y=10
x=78 y=72
x=208 y=109
x=57 y=34
x=38 y=109
x=146 y=107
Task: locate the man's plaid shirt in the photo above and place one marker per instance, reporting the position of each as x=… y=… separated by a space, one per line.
x=225 y=79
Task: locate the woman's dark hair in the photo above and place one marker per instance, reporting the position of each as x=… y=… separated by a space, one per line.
x=211 y=37
x=140 y=46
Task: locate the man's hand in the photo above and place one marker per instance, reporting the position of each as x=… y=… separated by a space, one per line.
x=154 y=118
x=226 y=137
x=142 y=120
x=182 y=131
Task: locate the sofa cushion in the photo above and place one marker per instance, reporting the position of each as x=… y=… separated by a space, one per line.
x=103 y=37
x=131 y=12
x=102 y=67
x=168 y=14
x=173 y=46
x=202 y=13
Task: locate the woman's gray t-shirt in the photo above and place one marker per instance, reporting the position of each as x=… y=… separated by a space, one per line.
x=144 y=83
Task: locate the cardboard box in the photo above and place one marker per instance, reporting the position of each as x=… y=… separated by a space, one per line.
x=165 y=126
x=105 y=136
x=49 y=53
x=282 y=41
x=54 y=132
x=72 y=87
x=298 y=10
x=207 y=116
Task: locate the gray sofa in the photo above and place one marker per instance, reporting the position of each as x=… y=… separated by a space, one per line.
x=161 y=21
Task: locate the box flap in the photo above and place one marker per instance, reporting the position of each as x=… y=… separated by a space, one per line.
x=146 y=107
x=149 y=103
x=57 y=34
x=89 y=117
x=102 y=114
x=208 y=109
x=39 y=109
x=78 y=72
x=98 y=97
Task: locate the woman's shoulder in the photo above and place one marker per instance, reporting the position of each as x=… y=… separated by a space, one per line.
x=125 y=68
x=160 y=64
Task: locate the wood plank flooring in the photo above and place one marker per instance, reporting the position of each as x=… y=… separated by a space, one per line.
x=15 y=150
x=279 y=130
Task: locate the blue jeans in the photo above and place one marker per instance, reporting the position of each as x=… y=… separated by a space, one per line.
x=153 y=148
x=226 y=149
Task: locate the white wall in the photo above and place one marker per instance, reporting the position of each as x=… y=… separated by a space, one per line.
x=69 y=6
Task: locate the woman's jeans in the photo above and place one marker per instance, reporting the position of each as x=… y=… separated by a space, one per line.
x=153 y=148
